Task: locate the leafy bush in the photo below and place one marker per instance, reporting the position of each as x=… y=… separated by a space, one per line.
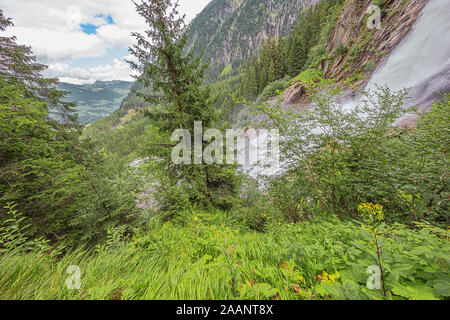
x=341 y=49
x=357 y=155
x=271 y=90
x=308 y=77
x=13 y=238
x=370 y=65
x=316 y=55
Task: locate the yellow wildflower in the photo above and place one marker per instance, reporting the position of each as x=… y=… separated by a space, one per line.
x=370 y=209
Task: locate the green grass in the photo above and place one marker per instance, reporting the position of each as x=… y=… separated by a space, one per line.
x=209 y=256
x=308 y=77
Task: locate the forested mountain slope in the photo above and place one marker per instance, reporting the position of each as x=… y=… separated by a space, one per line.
x=230 y=30
x=97 y=100
x=332 y=37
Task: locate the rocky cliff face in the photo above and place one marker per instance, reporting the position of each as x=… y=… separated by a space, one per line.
x=365 y=47
x=230 y=30
x=354 y=49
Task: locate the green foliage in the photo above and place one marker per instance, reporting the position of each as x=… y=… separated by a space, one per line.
x=272 y=89
x=115 y=240
x=66 y=191
x=288 y=196
x=358 y=156
x=370 y=65
x=118 y=137
x=226 y=71
x=13 y=239
x=204 y=259
x=359 y=47
x=11 y=232
x=341 y=49
x=175 y=77
x=59 y=184
x=309 y=77
x=316 y=55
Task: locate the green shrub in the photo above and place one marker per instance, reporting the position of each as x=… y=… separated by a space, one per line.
x=13 y=238
x=308 y=77
x=357 y=157
x=341 y=50
x=316 y=55
x=370 y=65
x=271 y=90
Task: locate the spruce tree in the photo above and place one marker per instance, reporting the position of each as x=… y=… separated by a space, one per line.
x=272 y=74
x=19 y=66
x=297 y=55
x=179 y=99
x=174 y=76
x=54 y=177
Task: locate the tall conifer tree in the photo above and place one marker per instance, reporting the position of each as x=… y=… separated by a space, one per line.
x=176 y=78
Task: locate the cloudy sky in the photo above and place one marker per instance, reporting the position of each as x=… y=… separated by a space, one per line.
x=82 y=40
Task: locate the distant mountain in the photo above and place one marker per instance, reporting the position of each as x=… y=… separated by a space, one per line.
x=97 y=100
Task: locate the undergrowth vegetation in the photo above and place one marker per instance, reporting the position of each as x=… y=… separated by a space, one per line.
x=204 y=255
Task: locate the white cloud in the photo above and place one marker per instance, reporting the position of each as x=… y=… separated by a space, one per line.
x=53 y=45
x=52 y=29
x=114 y=37
x=73 y=17
x=118 y=70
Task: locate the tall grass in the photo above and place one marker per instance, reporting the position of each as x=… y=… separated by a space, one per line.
x=200 y=259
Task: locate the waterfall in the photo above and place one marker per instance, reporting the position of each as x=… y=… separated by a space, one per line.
x=421 y=61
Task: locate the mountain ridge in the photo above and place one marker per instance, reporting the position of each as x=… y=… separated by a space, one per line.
x=96 y=100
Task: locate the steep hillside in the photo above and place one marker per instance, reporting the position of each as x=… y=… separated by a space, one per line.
x=229 y=30
x=354 y=50
x=97 y=100
x=364 y=48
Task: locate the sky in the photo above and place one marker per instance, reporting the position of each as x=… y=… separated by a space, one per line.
x=82 y=41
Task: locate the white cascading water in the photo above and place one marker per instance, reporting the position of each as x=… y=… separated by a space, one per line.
x=420 y=63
